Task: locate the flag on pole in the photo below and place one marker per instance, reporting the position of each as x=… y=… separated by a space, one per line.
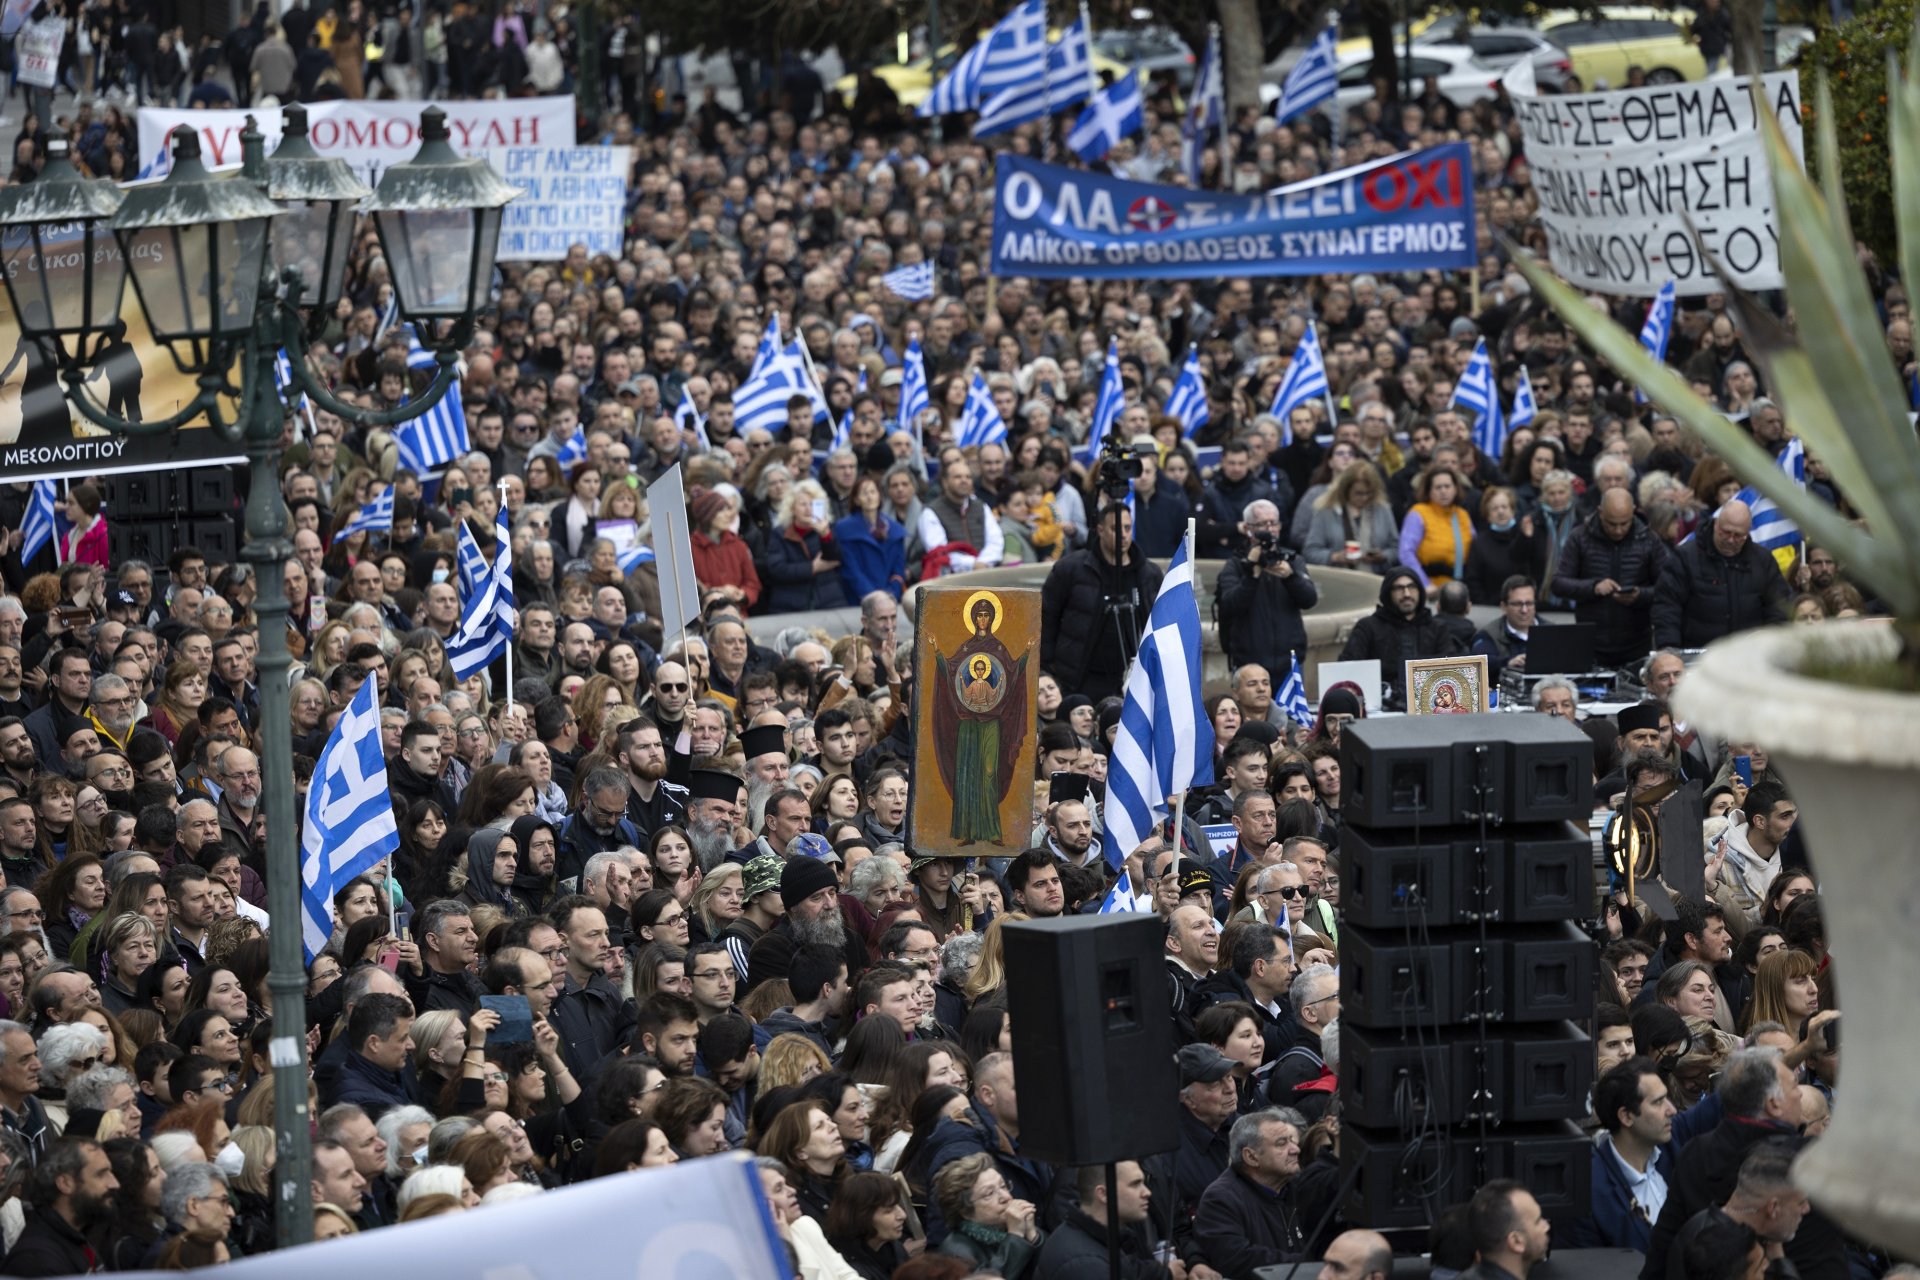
x=436 y=437
x=914 y=282
x=761 y=401
x=283 y=383
x=914 y=399
x=814 y=387
x=688 y=416
x=768 y=351
x=1165 y=742
x=1479 y=390
x=486 y=623
x=573 y=450
x=842 y=434
x=1313 y=80
x=1013 y=53
x=389 y=316
x=1206 y=110
x=38 y=529
x=374 y=517
x=980 y=420
x=1306 y=381
x=1658 y=330
x=1106 y=409
x=1187 y=402
x=1524 y=408
x=1116 y=112
x=1063 y=82
x=418 y=357
x=1773 y=529
x=470 y=563
x=1292 y=698
x=1119 y=898
x=349 y=826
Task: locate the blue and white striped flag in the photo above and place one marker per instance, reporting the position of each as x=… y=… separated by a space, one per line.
x=1165 y=742
x=1524 y=408
x=1657 y=331
x=1119 y=898
x=419 y=357
x=486 y=621
x=572 y=450
x=1306 y=381
x=38 y=529
x=1479 y=390
x=349 y=826
x=389 y=316
x=1064 y=80
x=980 y=420
x=768 y=351
x=1313 y=80
x=688 y=416
x=1206 y=109
x=1116 y=112
x=635 y=556
x=914 y=398
x=1013 y=53
x=1187 y=402
x=470 y=563
x=1292 y=698
x=436 y=437
x=913 y=282
x=1772 y=528
x=814 y=386
x=283 y=382
x=1107 y=408
x=842 y=434
x=374 y=517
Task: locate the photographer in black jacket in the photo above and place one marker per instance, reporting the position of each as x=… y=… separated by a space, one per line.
x=1260 y=596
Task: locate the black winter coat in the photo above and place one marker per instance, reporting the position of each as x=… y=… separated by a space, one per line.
x=1240 y=1226
x=1637 y=560
x=1077 y=1250
x=1393 y=638
x=1705 y=1174
x=1704 y=595
x=1074 y=622
x=1223 y=503
x=1499 y=554
x=1260 y=615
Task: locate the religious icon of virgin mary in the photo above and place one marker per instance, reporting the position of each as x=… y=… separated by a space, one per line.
x=979 y=722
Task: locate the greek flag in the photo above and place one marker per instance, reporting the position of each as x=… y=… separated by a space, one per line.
x=635 y=556
x=914 y=399
x=810 y=376
x=1479 y=390
x=1013 y=53
x=38 y=530
x=1772 y=528
x=688 y=416
x=768 y=351
x=1306 y=380
x=486 y=626
x=389 y=316
x=349 y=826
x=436 y=437
x=1106 y=409
x=913 y=283
x=419 y=357
x=1120 y=897
x=283 y=383
x=374 y=517
x=573 y=450
x=1063 y=81
x=842 y=434
x=1292 y=697
x=762 y=399
x=470 y=563
x=980 y=420
x=860 y=388
x=1658 y=330
x=1206 y=110
x=1187 y=402
x=1524 y=407
x=1165 y=743
x=1116 y=112
x=1313 y=80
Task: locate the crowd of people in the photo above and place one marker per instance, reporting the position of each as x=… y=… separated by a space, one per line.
x=688 y=854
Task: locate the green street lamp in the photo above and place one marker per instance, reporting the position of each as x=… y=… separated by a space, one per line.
x=222 y=265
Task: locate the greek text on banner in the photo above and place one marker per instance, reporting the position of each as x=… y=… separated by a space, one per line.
x=568 y=196
x=1408 y=212
x=1619 y=176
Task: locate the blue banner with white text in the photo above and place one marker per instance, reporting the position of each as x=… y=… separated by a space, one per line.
x=1408 y=212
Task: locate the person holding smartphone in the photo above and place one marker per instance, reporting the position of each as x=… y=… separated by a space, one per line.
x=1608 y=569
x=803 y=561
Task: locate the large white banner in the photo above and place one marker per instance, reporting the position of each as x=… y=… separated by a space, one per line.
x=1619 y=175
x=568 y=196
x=367 y=135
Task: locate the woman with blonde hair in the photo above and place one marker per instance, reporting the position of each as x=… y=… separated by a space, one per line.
x=1352 y=522
x=593 y=698
x=1786 y=990
x=329 y=649
x=791 y=1059
x=803 y=563
x=989 y=976
x=720 y=900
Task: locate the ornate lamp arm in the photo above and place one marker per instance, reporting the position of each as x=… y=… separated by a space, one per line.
x=443 y=378
x=206 y=401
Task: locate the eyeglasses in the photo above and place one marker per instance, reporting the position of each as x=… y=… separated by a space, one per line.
x=663 y=922
x=673 y=688
x=86 y=1064
x=714 y=975
x=31 y=913
x=1288 y=892
x=495 y=1077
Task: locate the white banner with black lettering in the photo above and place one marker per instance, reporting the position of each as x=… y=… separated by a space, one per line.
x=568 y=196
x=1620 y=175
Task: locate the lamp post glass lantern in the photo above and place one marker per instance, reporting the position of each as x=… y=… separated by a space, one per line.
x=438 y=217
x=65 y=273
x=314 y=232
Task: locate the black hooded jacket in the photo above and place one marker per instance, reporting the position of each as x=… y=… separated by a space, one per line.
x=1393 y=638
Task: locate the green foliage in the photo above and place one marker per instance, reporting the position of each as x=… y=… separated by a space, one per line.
x=1854 y=58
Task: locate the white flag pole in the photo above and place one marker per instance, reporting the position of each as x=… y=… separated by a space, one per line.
x=1180 y=801
x=508 y=552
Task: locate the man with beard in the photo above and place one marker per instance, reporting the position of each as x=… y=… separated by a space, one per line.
x=66 y=710
x=1402 y=627
x=18 y=764
x=765 y=749
x=652 y=801
x=242 y=825
x=112 y=709
x=672 y=691
x=578 y=650
x=593 y=1020
x=599 y=823
x=70 y=1192
x=111 y=773
x=534 y=643
x=810 y=893
x=712 y=815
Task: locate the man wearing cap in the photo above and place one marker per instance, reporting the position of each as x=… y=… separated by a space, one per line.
x=1208 y=1102
x=765 y=749
x=761 y=884
x=712 y=815
x=810 y=895
x=1640 y=731
x=941 y=908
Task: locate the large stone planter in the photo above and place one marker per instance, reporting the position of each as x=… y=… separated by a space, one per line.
x=1852 y=758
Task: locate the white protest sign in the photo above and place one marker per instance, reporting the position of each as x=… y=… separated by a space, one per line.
x=1619 y=175
x=369 y=136
x=673 y=554
x=569 y=196
x=37 y=48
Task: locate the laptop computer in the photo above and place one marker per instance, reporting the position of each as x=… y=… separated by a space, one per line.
x=1562 y=650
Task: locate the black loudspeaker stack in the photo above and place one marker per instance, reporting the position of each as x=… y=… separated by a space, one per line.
x=1465 y=866
x=152 y=513
x=1092 y=1038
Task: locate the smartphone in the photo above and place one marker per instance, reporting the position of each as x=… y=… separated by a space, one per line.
x=390 y=960
x=462 y=497
x=402 y=921
x=74 y=615
x=819 y=510
x=1743 y=769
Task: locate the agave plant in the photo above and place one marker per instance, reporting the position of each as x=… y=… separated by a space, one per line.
x=1833 y=375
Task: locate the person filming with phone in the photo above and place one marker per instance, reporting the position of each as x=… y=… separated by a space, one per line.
x=1608 y=569
x=1261 y=594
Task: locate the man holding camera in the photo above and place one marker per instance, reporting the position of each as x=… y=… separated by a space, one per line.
x=1090 y=599
x=1261 y=594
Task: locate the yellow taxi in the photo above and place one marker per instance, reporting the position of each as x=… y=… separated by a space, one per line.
x=1602 y=43
x=911 y=82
